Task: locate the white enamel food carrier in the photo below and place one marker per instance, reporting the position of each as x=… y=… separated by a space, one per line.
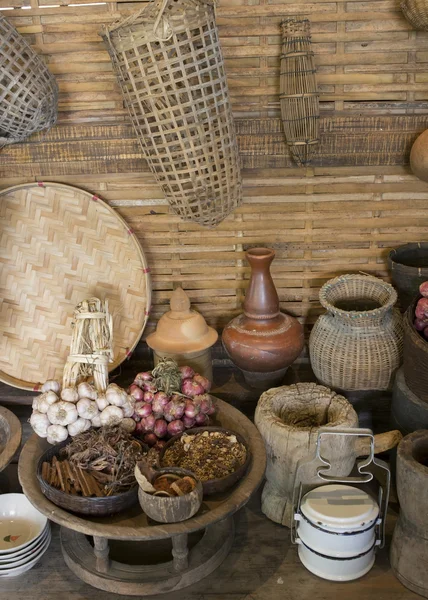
x=338 y=527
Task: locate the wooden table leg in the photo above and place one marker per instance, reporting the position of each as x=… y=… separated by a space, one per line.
x=101 y=551
x=180 y=552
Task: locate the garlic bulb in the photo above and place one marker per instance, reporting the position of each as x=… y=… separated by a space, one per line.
x=78 y=426
x=96 y=421
x=128 y=425
x=57 y=434
x=86 y=390
x=51 y=385
x=62 y=413
x=87 y=408
x=116 y=395
x=69 y=395
x=127 y=409
x=112 y=415
x=88 y=425
x=35 y=404
x=40 y=423
x=102 y=402
x=45 y=401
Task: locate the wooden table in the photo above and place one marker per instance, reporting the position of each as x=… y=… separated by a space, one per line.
x=92 y=563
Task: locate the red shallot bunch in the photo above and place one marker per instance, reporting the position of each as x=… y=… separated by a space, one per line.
x=169 y=400
x=421 y=312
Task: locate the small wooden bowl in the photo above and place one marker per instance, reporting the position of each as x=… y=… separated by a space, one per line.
x=94 y=507
x=215 y=486
x=175 y=508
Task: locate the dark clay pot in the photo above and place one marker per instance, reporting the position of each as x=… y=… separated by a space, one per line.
x=262 y=342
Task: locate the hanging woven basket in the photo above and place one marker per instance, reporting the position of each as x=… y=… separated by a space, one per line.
x=169 y=64
x=416 y=12
x=299 y=96
x=28 y=92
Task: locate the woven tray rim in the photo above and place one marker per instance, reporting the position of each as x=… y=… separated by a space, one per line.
x=34 y=386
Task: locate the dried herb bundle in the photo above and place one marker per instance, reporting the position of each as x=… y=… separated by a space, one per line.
x=109 y=454
x=91 y=347
x=167 y=376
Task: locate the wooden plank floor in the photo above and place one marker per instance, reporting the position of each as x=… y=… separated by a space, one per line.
x=263 y=564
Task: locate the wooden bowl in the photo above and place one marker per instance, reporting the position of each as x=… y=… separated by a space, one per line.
x=172 y=509
x=215 y=486
x=10 y=436
x=95 y=507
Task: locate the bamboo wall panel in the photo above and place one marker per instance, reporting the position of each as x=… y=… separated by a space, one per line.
x=342 y=214
x=321 y=221
x=366 y=52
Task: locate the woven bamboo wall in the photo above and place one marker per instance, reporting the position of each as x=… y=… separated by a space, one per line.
x=343 y=214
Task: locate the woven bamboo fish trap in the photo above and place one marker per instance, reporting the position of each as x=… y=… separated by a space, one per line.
x=169 y=64
x=299 y=97
x=28 y=92
x=416 y=12
x=358 y=343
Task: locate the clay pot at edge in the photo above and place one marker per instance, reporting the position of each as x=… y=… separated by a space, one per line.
x=419 y=156
x=262 y=341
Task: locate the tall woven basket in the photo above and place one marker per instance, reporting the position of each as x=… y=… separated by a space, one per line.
x=358 y=343
x=169 y=64
x=298 y=87
x=28 y=92
x=416 y=12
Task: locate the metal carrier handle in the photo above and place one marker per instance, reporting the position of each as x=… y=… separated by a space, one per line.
x=366 y=477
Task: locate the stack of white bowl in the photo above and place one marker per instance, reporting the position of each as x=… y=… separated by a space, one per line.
x=25 y=535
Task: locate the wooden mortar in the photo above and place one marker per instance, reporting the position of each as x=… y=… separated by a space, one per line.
x=289 y=419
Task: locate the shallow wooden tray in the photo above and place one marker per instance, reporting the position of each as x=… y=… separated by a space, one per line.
x=10 y=436
x=61 y=245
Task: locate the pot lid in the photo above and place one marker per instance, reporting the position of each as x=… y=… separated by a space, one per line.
x=181 y=329
x=339 y=507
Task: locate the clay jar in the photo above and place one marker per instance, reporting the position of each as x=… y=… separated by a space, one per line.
x=262 y=341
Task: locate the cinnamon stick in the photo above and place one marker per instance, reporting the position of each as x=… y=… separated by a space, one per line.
x=86 y=491
x=45 y=467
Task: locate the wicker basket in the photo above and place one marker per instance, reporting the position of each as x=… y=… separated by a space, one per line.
x=169 y=64
x=416 y=12
x=28 y=92
x=95 y=507
x=357 y=344
x=409 y=268
x=299 y=95
x=415 y=356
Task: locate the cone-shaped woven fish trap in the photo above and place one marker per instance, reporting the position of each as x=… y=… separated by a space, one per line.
x=28 y=92
x=170 y=67
x=299 y=95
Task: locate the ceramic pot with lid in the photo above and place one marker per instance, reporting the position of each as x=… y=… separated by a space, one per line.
x=183 y=335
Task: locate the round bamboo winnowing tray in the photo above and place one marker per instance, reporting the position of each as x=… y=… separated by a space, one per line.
x=59 y=246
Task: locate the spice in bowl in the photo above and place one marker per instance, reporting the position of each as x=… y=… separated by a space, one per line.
x=209 y=455
x=98 y=462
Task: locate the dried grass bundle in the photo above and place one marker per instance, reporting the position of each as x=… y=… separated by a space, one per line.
x=298 y=88
x=91 y=346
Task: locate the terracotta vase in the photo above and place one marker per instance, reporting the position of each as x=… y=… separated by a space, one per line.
x=262 y=342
